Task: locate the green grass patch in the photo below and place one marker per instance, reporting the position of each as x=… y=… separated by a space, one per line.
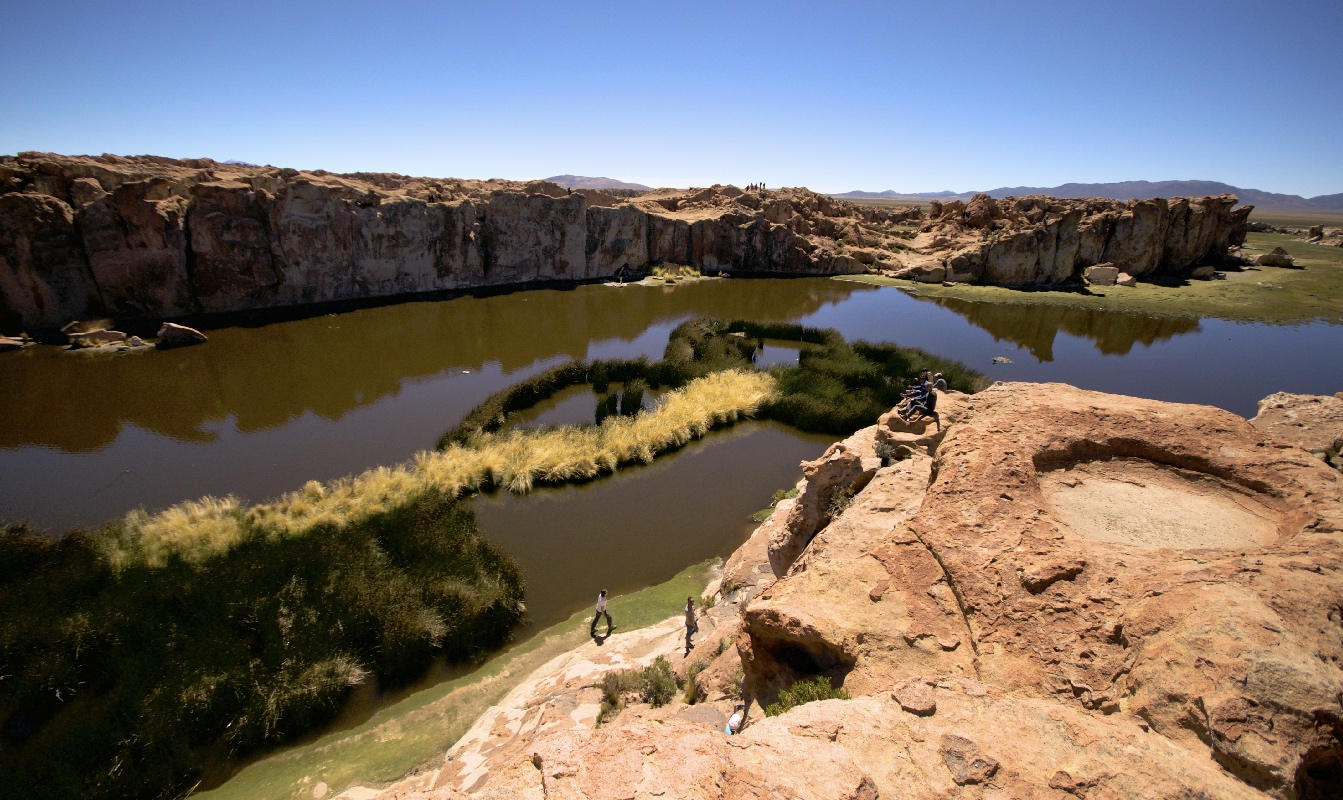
x=421 y=728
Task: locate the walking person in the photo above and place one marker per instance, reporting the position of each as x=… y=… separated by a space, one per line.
x=691 y=623
x=601 y=612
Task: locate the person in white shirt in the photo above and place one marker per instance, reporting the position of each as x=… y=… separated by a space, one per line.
x=734 y=723
x=601 y=612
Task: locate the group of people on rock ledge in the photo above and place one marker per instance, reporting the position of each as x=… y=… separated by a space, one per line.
x=920 y=400
x=734 y=724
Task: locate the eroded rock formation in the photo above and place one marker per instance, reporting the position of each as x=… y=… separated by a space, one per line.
x=160 y=238
x=1035 y=239
x=1071 y=595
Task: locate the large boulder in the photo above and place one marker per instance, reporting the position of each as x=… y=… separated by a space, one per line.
x=1101 y=275
x=1277 y=257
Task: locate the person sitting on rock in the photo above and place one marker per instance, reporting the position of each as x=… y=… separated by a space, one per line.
x=924 y=405
x=912 y=392
x=939 y=382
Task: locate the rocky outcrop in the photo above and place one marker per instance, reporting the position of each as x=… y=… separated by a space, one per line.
x=1161 y=566
x=161 y=238
x=1071 y=595
x=158 y=237
x=1001 y=637
x=1045 y=240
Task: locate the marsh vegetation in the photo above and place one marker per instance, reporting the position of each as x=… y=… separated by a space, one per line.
x=120 y=677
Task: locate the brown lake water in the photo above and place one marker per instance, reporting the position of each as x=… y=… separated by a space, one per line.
x=260 y=410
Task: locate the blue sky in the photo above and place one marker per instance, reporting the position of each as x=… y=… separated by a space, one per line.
x=836 y=96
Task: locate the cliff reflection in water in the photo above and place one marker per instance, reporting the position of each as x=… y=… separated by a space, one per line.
x=1034 y=327
x=266 y=377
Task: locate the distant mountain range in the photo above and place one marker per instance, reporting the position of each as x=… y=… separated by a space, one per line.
x=1132 y=190
x=583 y=182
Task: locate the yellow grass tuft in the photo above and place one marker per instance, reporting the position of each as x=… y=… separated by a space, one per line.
x=516 y=460
x=675 y=272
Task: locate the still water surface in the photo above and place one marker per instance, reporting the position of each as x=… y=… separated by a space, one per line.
x=258 y=411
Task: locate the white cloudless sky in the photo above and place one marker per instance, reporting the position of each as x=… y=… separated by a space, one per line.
x=835 y=96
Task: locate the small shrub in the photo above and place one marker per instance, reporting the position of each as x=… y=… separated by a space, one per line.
x=840 y=502
x=803 y=692
x=659 y=683
x=692 y=691
x=784 y=494
x=734 y=686
x=724 y=643
x=655 y=684
x=614 y=686
x=890 y=453
x=708 y=601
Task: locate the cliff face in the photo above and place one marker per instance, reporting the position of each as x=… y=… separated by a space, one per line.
x=157 y=237
x=1034 y=239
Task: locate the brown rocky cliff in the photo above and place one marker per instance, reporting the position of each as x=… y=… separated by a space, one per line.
x=158 y=237
x=1035 y=239
x=155 y=237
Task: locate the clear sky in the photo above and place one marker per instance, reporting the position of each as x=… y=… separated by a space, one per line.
x=835 y=96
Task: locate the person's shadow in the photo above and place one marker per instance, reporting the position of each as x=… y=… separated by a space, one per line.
x=600 y=639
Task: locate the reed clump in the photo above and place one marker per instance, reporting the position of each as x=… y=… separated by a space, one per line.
x=516 y=460
x=675 y=272
x=118 y=678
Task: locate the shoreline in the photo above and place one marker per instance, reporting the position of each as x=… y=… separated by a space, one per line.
x=1312 y=292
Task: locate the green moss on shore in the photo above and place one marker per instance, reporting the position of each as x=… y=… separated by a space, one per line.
x=1273 y=295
